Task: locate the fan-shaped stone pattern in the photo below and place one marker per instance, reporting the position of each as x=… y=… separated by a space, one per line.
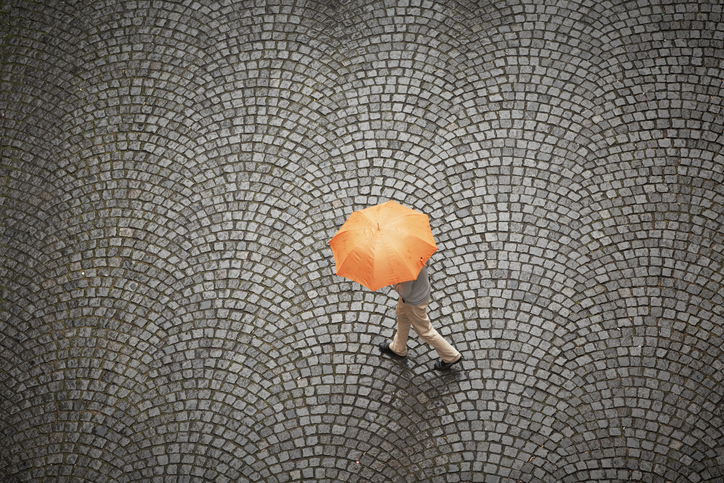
x=172 y=171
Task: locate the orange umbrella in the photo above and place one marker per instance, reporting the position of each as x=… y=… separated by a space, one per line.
x=383 y=245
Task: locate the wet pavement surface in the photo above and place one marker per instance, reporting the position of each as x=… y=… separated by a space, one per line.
x=171 y=172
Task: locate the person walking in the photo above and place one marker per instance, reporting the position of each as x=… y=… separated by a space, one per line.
x=414 y=296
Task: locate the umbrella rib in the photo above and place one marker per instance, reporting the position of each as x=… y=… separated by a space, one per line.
x=409 y=212
x=367 y=217
x=359 y=242
x=390 y=221
x=352 y=250
x=392 y=246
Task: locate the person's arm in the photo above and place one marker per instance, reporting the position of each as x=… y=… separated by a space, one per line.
x=404 y=289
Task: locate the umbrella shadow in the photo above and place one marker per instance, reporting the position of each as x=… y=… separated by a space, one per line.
x=420 y=367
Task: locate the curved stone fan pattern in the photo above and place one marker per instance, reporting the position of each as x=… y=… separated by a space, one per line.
x=172 y=171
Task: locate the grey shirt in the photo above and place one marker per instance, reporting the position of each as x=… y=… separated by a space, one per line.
x=415 y=292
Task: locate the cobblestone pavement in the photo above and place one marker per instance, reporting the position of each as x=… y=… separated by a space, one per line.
x=171 y=173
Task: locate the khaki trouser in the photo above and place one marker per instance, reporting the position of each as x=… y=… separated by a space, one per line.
x=416 y=315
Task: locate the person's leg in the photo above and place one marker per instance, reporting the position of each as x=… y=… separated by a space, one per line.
x=399 y=342
x=423 y=327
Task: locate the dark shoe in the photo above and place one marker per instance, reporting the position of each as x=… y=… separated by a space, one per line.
x=385 y=349
x=446 y=366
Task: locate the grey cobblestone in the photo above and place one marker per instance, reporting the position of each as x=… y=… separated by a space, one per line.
x=171 y=172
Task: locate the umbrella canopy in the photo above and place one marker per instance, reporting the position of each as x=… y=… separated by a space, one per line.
x=383 y=245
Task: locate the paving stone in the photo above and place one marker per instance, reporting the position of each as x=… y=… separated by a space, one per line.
x=172 y=171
